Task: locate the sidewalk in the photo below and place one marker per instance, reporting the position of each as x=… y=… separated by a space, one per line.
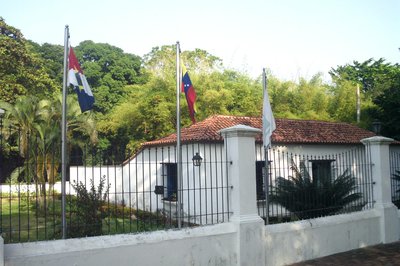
x=387 y=255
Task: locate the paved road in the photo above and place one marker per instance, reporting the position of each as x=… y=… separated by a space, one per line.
x=385 y=255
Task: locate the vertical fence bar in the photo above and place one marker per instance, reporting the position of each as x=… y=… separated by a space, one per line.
x=210 y=189
x=143 y=186
x=149 y=186
x=194 y=187
x=205 y=186
x=228 y=188
x=201 y=192
x=1 y=173
x=187 y=187
x=158 y=214
x=128 y=165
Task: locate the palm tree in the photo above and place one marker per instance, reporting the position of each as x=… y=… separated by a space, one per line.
x=49 y=133
x=308 y=197
x=24 y=116
x=37 y=126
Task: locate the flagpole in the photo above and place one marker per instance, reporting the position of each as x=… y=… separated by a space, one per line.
x=64 y=135
x=266 y=178
x=178 y=134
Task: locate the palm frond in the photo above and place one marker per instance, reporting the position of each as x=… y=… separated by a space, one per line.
x=307 y=198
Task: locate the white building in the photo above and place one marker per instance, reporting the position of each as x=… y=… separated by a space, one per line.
x=148 y=180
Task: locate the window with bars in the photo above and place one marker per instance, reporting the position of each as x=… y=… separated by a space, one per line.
x=260 y=187
x=321 y=170
x=170 y=182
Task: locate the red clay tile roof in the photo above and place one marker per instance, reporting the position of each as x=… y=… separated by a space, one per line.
x=288 y=131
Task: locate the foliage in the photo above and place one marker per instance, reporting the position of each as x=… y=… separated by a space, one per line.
x=135 y=121
x=35 y=131
x=87 y=220
x=21 y=71
x=136 y=97
x=343 y=104
x=309 y=197
x=108 y=70
x=388 y=107
x=53 y=59
x=371 y=74
x=161 y=61
x=309 y=99
x=380 y=83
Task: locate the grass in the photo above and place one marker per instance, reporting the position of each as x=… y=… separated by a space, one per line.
x=21 y=220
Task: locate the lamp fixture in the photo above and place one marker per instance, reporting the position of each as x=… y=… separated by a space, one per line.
x=197 y=159
x=376 y=127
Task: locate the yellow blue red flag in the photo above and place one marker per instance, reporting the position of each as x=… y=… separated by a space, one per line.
x=188 y=89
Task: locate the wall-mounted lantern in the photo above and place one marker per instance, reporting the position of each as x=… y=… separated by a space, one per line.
x=197 y=159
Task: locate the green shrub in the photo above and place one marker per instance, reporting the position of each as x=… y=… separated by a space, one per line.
x=86 y=217
x=307 y=197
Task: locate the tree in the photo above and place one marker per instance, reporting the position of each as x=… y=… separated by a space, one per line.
x=21 y=70
x=108 y=70
x=36 y=126
x=161 y=61
x=388 y=104
x=23 y=118
x=154 y=115
x=307 y=99
x=380 y=83
x=135 y=121
x=372 y=75
x=53 y=59
x=342 y=107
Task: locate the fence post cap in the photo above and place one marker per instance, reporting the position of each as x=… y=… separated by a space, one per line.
x=240 y=131
x=377 y=140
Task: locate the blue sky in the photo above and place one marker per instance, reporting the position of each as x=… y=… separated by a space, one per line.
x=293 y=38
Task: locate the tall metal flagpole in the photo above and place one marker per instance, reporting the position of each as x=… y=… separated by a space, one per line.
x=178 y=134
x=64 y=135
x=266 y=178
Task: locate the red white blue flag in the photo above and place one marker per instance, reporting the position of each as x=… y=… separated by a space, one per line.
x=78 y=80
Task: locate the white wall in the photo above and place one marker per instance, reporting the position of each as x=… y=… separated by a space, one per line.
x=209 y=245
x=308 y=239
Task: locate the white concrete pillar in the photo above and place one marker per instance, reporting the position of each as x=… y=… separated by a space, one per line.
x=240 y=144
x=378 y=148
